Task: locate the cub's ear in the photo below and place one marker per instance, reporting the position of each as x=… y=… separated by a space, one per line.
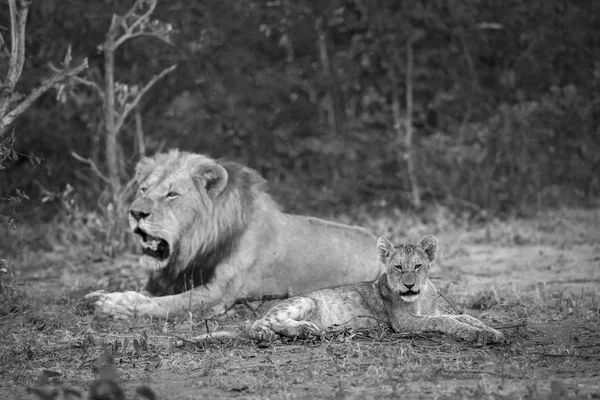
x=143 y=168
x=385 y=249
x=214 y=178
x=430 y=244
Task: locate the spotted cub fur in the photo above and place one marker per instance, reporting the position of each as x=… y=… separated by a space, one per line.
x=402 y=296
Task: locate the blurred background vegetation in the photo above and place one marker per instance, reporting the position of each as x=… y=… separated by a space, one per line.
x=503 y=101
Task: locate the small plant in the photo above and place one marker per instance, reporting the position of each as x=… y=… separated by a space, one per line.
x=119 y=102
x=106 y=387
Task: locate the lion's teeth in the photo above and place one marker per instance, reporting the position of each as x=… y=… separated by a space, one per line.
x=150 y=244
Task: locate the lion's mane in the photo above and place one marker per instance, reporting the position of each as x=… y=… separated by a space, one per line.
x=214 y=229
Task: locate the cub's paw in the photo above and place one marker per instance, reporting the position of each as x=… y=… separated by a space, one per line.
x=301 y=329
x=308 y=329
x=120 y=305
x=261 y=332
x=494 y=336
x=481 y=336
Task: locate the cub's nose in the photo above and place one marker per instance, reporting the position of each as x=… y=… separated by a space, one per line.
x=137 y=215
x=409 y=285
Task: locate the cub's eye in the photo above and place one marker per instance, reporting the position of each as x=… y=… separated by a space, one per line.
x=398 y=266
x=418 y=266
x=172 y=195
x=143 y=190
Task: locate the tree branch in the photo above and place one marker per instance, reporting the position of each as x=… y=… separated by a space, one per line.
x=139 y=133
x=85 y=82
x=4 y=49
x=92 y=165
x=131 y=105
x=37 y=92
x=18 y=22
x=138 y=20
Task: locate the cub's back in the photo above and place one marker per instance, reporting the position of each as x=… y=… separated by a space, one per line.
x=354 y=306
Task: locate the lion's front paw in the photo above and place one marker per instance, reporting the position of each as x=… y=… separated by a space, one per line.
x=119 y=305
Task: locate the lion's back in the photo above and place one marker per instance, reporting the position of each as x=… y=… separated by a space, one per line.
x=332 y=253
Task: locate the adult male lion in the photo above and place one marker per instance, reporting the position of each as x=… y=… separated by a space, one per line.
x=210 y=234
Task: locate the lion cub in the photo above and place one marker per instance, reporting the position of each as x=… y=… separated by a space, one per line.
x=402 y=296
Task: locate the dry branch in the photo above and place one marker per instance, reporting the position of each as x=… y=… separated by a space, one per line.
x=93 y=85
x=136 y=100
x=139 y=134
x=8 y=98
x=37 y=92
x=138 y=26
x=448 y=301
x=552 y=355
x=18 y=22
x=510 y=326
x=92 y=165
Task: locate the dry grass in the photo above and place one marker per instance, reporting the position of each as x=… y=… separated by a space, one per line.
x=49 y=337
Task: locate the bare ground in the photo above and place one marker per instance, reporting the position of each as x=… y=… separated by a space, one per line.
x=535 y=279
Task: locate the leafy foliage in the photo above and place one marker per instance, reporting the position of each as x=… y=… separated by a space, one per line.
x=505 y=98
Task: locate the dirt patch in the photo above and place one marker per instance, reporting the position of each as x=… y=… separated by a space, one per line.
x=536 y=279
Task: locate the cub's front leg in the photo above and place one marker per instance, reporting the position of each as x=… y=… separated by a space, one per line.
x=449 y=325
x=497 y=336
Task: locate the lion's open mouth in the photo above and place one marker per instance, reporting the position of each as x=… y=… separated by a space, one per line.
x=153 y=246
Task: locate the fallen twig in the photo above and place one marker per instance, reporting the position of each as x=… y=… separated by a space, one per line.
x=552 y=355
x=448 y=301
x=517 y=325
x=585 y=346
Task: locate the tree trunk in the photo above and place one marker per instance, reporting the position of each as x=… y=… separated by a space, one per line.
x=112 y=161
x=329 y=99
x=404 y=126
x=139 y=134
x=410 y=151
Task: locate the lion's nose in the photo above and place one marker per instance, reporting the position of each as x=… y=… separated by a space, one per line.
x=137 y=215
x=409 y=285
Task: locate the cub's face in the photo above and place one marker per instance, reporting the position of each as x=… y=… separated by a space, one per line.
x=407 y=265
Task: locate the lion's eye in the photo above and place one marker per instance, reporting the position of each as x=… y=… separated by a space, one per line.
x=418 y=266
x=172 y=195
x=143 y=190
x=398 y=266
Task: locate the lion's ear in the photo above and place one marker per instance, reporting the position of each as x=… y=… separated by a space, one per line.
x=143 y=168
x=215 y=179
x=430 y=244
x=385 y=249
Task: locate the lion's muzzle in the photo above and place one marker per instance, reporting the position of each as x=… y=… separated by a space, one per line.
x=137 y=215
x=141 y=208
